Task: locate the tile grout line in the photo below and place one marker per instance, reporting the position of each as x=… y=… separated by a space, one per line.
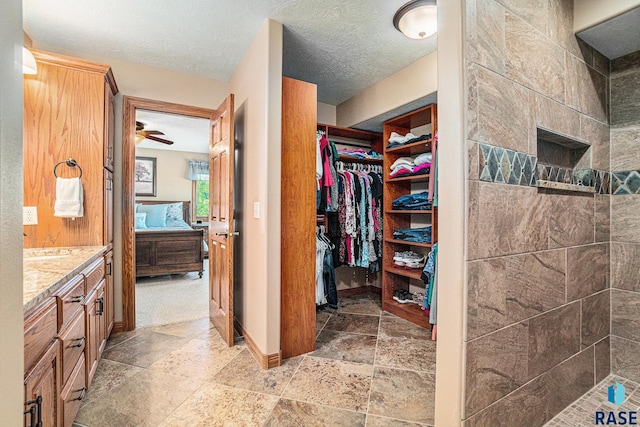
x=373 y=370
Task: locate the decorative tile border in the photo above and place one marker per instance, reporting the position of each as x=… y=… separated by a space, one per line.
x=504 y=166
x=625 y=182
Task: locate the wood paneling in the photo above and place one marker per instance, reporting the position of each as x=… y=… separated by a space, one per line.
x=130 y=105
x=298 y=218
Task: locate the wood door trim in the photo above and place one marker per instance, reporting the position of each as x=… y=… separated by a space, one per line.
x=130 y=105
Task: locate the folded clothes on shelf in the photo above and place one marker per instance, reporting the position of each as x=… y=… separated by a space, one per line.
x=397 y=140
x=416 y=235
x=419 y=201
x=359 y=153
x=406 y=170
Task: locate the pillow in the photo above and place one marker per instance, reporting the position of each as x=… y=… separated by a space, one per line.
x=156 y=215
x=141 y=220
x=174 y=211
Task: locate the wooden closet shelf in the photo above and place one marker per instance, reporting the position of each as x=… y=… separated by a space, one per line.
x=412 y=178
x=406 y=242
x=423 y=146
x=414 y=273
x=348 y=159
x=409 y=311
x=421 y=212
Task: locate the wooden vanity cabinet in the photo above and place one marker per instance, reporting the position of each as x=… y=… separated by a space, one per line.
x=108 y=293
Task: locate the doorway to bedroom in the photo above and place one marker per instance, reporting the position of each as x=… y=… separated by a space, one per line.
x=165 y=222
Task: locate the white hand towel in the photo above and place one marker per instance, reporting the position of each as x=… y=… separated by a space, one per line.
x=69 y=198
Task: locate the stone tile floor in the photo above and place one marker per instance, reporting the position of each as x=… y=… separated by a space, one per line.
x=582 y=412
x=370 y=369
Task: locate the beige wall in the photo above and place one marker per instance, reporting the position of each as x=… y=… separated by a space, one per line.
x=11 y=316
x=257 y=85
x=172 y=170
x=452 y=227
x=588 y=13
x=326 y=114
x=151 y=83
x=415 y=81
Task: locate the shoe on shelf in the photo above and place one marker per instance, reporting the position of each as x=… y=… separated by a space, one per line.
x=418 y=298
x=408 y=259
x=403 y=296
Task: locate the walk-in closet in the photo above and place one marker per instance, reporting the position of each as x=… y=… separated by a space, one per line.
x=359 y=222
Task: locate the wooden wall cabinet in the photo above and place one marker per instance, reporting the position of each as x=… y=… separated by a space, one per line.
x=69 y=112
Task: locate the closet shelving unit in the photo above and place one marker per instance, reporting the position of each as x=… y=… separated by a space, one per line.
x=394 y=278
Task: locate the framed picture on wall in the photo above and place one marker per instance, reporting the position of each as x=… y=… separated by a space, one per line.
x=145 y=176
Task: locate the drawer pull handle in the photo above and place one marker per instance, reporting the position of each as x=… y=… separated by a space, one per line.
x=78 y=298
x=100 y=310
x=80 y=342
x=83 y=392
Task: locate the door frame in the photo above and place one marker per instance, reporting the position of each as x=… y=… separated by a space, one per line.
x=130 y=105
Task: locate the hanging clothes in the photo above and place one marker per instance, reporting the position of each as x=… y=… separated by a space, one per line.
x=326 y=288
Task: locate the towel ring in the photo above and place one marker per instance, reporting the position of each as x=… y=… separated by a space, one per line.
x=69 y=162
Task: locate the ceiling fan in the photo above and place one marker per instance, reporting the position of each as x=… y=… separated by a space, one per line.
x=149 y=134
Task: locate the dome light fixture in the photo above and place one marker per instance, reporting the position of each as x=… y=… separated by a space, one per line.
x=29 y=65
x=417 y=19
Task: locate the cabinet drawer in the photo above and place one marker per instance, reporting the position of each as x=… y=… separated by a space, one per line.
x=70 y=300
x=73 y=342
x=94 y=274
x=40 y=329
x=73 y=393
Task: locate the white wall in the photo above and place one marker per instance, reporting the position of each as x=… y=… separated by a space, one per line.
x=326 y=114
x=257 y=85
x=172 y=171
x=11 y=315
x=413 y=82
x=587 y=13
x=151 y=83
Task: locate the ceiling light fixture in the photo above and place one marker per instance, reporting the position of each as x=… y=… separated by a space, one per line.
x=417 y=19
x=29 y=65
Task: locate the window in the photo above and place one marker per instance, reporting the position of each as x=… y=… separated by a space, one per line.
x=201 y=197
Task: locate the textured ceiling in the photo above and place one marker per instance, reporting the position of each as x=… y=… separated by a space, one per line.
x=187 y=133
x=616 y=37
x=343 y=46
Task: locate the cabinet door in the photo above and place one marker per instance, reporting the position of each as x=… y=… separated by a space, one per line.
x=109 y=126
x=108 y=209
x=108 y=294
x=95 y=329
x=43 y=382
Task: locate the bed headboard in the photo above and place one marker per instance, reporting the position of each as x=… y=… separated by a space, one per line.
x=186 y=207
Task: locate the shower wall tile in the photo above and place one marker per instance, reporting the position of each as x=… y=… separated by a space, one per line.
x=603 y=217
x=625 y=147
x=625 y=267
x=603 y=359
x=586 y=89
x=543 y=398
x=625 y=358
x=625 y=93
x=597 y=135
x=595 y=318
x=513 y=220
x=625 y=221
x=524 y=44
x=601 y=63
x=485 y=34
x=534 y=12
x=571 y=221
x=625 y=314
x=561 y=27
x=506 y=290
x=587 y=270
x=502 y=120
x=553 y=337
x=553 y=115
x=496 y=365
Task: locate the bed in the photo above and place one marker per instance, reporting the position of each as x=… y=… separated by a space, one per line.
x=169 y=248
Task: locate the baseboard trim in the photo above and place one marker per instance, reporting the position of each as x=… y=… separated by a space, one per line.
x=266 y=361
x=117 y=327
x=369 y=289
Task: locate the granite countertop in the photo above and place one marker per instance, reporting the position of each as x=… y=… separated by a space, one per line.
x=45 y=270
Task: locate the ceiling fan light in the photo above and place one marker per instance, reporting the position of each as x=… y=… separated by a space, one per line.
x=29 y=65
x=139 y=138
x=417 y=19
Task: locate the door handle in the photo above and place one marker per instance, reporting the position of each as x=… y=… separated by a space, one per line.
x=227 y=234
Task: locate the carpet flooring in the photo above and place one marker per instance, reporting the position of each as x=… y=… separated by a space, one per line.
x=174 y=298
